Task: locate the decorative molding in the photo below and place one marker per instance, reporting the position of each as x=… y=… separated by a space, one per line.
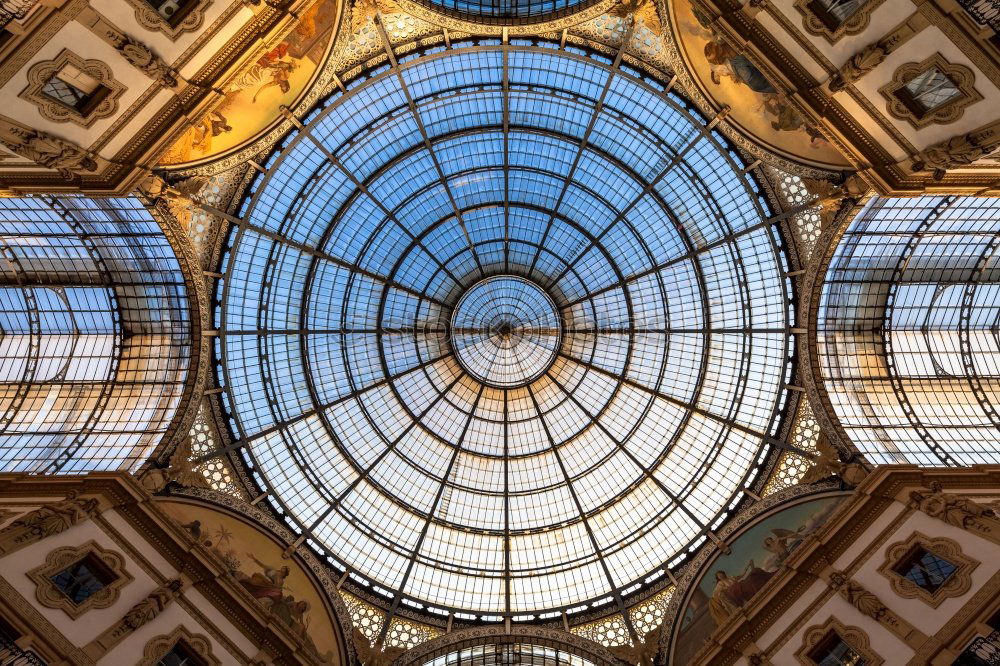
x=51 y=109
x=265 y=521
x=868 y=604
x=690 y=574
x=158 y=647
x=955 y=586
x=854 y=24
x=142 y=613
x=950 y=111
x=22 y=610
x=45 y=521
x=150 y=19
x=144 y=59
x=853 y=636
x=957 y=510
x=50 y=596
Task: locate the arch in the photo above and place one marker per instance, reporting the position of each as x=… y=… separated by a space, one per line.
x=97 y=328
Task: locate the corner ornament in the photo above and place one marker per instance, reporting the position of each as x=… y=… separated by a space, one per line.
x=45 y=521
x=51 y=152
x=144 y=59
x=956 y=510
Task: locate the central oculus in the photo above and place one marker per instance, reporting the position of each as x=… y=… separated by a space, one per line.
x=506 y=331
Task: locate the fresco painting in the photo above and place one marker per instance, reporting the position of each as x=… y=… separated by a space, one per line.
x=255 y=561
x=732 y=580
x=253 y=97
x=757 y=106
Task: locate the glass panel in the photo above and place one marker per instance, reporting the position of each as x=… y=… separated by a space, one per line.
x=926 y=569
x=82 y=579
x=931 y=89
x=546 y=356
x=834 y=651
x=180 y=655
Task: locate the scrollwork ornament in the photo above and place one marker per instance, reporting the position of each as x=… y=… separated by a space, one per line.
x=51 y=152
x=144 y=59
x=47 y=520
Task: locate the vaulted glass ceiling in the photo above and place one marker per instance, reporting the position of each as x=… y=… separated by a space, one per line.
x=507 y=11
x=504 y=330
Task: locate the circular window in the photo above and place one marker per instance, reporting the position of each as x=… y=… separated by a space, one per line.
x=513 y=347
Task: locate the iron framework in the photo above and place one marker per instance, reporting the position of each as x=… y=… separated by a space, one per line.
x=908 y=331
x=560 y=167
x=95 y=334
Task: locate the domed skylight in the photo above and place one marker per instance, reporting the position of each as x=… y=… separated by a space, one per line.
x=505 y=330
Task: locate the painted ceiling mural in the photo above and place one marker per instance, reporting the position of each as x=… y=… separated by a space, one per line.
x=278 y=77
x=732 y=580
x=758 y=108
x=278 y=584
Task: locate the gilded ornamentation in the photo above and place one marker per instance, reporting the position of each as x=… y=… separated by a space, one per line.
x=956 y=510
x=957 y=584
x=643 y=654
x=154 y=604
x=104 y=106
x=858 y=65
x=852 y=25
x=50 y=152
x=861 y=598
x=150 y=19
x=374 y=656
x=45 y=521
x=180 y=470
x=142 y=58
x=948 y=112
x=50 y=596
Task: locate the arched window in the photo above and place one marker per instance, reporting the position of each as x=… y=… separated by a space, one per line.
x=908 y=336
x=95 y=334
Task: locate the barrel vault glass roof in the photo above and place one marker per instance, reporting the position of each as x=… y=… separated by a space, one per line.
x=507 y=11
x=597 y=188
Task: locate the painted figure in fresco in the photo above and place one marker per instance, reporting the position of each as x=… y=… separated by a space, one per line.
x=268 y=584
x=726 y=61
x=279 y=66
x=732 y=592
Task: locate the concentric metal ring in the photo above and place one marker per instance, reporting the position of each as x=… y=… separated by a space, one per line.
x=505 y=331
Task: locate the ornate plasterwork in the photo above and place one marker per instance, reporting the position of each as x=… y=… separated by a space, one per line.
x=957 y=584
x=150 y=19
x=853 y=636
x=950 y=111
x=53 y=110
x=50 y=596
x=158 y=647
x=853 y=25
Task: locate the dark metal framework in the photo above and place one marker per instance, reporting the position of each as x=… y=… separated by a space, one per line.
x=507 y=11
x=509 y=654
x=95 y=334
x=557 y=166
x=909 y=331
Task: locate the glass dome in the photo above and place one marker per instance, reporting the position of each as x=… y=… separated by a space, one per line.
x=504 y=330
